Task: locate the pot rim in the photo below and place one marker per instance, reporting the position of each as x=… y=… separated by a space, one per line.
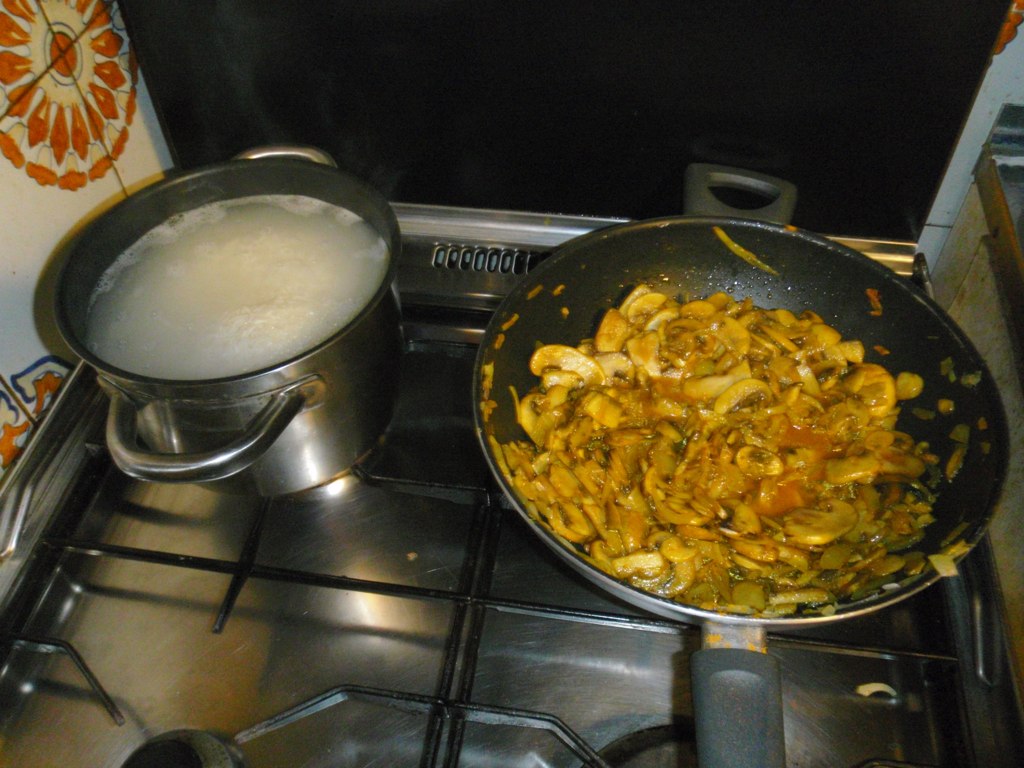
x=182 y=183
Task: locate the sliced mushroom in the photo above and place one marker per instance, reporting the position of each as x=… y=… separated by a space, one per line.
x=901 y=464
x=816 y=527
x=614 y=364
x=674 y=550
x=603 y=409
x=563 y=480
x=641 y=290
x=643 y=305
x=641 y=563
x=875 y=387
x=734 y=336
x=560 y=356
x=758 y=462
x=825 y=335
x=643 y=351
x=853 y=469
x=699 y=309
x=528 y=418
x=569 y=522
x=660 y=317
x=741 y=393
x=808 y=379
x=853 y=351
x=612 y=332
x=745 y=519
x=723 y=455
x=706 y=387
x=559 y=377
x=908 y=385
x=779 y=337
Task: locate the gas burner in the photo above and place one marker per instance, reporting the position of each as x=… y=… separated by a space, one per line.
x=184 y=749
x=663 y=746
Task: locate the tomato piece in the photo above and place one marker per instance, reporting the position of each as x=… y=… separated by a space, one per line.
x=776 y=499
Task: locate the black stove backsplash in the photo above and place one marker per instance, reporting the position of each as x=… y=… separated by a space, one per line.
x=592 y=109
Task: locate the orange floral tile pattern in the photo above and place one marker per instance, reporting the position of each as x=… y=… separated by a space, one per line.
x=1009 y=29
x=37 y=385
x=67 y=89
x=14 y=430
x=23 y=398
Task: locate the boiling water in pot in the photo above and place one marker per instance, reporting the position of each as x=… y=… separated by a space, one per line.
x=235 y=286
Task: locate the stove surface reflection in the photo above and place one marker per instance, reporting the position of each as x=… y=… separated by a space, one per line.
x=403 y=615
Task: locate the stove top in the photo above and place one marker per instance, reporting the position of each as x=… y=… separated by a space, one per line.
x=402 y=615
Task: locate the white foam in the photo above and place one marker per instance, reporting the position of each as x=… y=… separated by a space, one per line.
x=235 y=286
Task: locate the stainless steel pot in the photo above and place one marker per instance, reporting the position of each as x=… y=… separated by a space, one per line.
x=285 y=428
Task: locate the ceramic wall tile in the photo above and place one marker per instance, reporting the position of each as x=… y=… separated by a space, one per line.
x=73 y=136
x=134 y=142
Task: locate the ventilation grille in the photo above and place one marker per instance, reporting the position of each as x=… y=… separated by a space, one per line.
x=476 y=258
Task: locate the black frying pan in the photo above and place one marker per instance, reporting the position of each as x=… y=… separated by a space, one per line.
x=562 y=300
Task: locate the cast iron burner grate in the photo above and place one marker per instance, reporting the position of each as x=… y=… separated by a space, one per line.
x=663 y=746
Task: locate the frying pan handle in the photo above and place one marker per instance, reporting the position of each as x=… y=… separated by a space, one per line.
x=737 y=702
x=699 y=199
x=205 y=466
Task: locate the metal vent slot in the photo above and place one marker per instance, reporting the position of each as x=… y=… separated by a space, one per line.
x=475 y=258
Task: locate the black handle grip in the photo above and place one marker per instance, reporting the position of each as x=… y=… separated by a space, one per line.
x=737 y=701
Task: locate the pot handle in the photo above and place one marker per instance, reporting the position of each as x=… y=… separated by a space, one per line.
x=313 y=154
x=737 y=700
x=230 y=459
x=699 y=199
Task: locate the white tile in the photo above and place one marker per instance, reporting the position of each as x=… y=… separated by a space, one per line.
x=931 y=240
x=36 y=218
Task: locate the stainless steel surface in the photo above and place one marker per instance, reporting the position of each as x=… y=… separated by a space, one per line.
x=468 y=258
x=254 y=440
x=39 y=470
x=401 y=616
x=313 y=154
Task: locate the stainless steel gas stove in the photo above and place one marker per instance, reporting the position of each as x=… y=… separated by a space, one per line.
x=402 y=616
